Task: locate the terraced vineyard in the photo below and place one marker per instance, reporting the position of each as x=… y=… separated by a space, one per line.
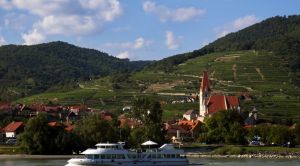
x=261 y=74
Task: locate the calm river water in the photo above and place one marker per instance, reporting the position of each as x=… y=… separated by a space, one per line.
x=193 y=161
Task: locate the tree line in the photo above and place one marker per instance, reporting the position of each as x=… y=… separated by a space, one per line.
x=40 y=138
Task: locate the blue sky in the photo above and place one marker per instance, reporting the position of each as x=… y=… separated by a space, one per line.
x=134 y=29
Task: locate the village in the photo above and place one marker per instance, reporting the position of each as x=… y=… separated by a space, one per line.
x=179 y=130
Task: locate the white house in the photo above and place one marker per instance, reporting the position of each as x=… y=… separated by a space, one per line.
x=12 y=129
x=190 y=115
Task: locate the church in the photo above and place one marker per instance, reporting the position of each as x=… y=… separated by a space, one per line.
x=211 y=103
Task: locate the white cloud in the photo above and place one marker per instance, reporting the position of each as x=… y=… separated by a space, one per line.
x=123 y=55
x=2 y=41
x=107 y=9
x=33 y=37
x=236 y=25
x=138 y=43
x=172 y=41
x=177 y=15
x=246 y=21
x=65 y=17
x=67 y=25
x=42 y=7
x=6 y=4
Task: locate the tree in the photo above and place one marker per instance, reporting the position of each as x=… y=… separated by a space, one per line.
x=150 y=113
x=225 y=127
x=40 y=138
x=93 y=129
x=297 y=133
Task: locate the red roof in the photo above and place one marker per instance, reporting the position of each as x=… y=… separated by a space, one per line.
x=205 y=82
x=172 y=129
x=53 y=124
x=106 y=115
x=232 y=102
x=216 y=103
x=247 y=126
x=69 y=128
x=13 y=126
x=189 y=125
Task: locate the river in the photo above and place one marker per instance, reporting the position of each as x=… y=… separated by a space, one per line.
x=193 y=161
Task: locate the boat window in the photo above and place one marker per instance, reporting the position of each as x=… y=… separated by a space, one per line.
x=108 y=156
x=173 y=156
x=89 y=156
x=177 y=155
x=102 y=156
x=113 y=156
x=96 y=156
x=132 y=156
x=153 y=156
x=120 y=156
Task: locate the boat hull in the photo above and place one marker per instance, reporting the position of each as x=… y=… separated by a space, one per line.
x=87 y=162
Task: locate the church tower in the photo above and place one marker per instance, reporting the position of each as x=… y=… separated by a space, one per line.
x=204 y=93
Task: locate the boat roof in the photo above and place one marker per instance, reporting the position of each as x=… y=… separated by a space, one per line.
x=107 y=144
x=104 y=151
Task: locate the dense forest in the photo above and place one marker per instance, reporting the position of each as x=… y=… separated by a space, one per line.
x=27 y=70
x=280 y=35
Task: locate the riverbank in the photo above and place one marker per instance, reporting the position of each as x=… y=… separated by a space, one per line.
x=25 y=156
x=246 y=156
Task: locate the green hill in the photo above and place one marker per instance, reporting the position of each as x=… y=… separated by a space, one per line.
x=262 y=60
x=281 y=35
x=27 y=70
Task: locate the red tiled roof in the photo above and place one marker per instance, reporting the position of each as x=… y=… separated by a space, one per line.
x=52 y=108
x=216 y=103
x=5 y=106
x=53 y=124
x=172 y=129
x=69 y=128
x=247 y=126
x=189 y=125
x=13 y=126
x=232 y=102
x=205 y=82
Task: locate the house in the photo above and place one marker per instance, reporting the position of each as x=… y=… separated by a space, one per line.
x=190 y=115
x=106 y=115
x=12 y=129
x=192 y=126
x=6 y=109
x=175 y=130
x=54 y=124
x=30 y=110
x=183 y=130
x=69 y=128
x=123 y=121
x=77 y=112
x=211 y=103
x=252 y=118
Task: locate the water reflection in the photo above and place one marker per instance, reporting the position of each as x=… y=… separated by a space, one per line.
x=193 y=161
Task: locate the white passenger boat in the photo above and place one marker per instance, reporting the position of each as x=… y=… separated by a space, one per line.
x=110 y=154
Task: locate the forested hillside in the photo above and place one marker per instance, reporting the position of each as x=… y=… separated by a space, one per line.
x=27 y=70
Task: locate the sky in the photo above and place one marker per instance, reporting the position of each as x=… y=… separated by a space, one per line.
x=134 y=29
